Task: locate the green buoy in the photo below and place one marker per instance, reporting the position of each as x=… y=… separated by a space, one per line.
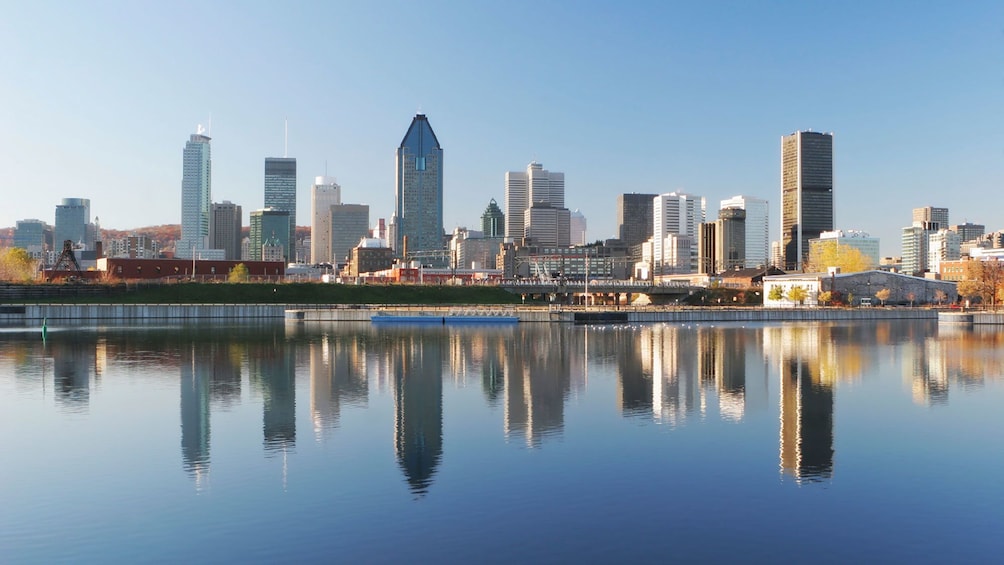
x=45 y=328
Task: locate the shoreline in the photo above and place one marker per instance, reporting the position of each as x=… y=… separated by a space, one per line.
x=34 y=314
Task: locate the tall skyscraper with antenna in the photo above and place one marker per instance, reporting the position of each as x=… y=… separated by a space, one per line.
x=280 y=193
x=196 y=183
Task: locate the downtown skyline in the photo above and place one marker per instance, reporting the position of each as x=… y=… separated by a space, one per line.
x=647 y=108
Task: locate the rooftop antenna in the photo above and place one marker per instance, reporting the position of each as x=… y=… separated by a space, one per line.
x=285 y=143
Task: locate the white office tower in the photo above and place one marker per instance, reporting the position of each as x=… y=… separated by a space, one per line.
x=943 y=245
x=577 y=227
x=196 y=181
x=535 y=188
x=678 y=215
x=757 y=228
x=324 y=194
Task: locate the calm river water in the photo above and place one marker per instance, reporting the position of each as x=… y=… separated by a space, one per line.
x=532 y=443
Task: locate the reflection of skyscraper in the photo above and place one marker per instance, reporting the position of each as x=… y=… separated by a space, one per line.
x=337 y=375
x=273 y=367
x=635 y=390
x=537 y=381
x=675 y=389
x=723 y=357
x=417 y=365
x=195 y=384
x=806 y=423
x=73 y=361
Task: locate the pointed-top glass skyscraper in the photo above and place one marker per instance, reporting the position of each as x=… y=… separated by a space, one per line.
x=196 y=178
x=417 y=224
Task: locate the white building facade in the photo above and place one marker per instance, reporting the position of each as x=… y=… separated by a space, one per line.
x=324 y=194
x=680 y=215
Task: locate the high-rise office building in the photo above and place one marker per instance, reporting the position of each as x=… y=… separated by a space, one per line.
x=538 y=188
x=324 y=194
x=196 y=195
x=349 y=224
x=418 y=210
x=634 y=217
x=943 y=245
x=757 y=228
x=72 y=218
x=932 y=218
x=269 y=224
x=722 y=243
x=806 y=192
x=225 y=223
x=969 y=231
x=676 y=220
x=34 y=236
x=280 y=194
x=493 y=221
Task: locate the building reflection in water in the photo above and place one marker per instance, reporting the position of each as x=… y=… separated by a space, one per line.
x=806 y=375
x=73 y=362
x=337 y=377
x=536 y=382
x=272 y=370
x=416 y=363
x=672 y=373
x=210 y=373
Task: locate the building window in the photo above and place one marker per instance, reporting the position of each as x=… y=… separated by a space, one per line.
x=419 y=163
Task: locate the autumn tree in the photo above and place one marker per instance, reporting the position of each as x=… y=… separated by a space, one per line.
x=982 y=279
x=825 y=297
x=798 y=294
x=940 y=296
x=883 y=295
x=776 y=293
x=16 y=265
x=827 y=253
x=238 y=274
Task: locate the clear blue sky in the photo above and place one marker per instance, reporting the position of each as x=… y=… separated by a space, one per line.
x=98 y=99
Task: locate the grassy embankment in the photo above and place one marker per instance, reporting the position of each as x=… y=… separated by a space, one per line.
x=288 y=293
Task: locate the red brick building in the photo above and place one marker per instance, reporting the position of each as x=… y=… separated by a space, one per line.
x=131 y=269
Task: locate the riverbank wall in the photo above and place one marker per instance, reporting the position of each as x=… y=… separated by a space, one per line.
x=32 y=314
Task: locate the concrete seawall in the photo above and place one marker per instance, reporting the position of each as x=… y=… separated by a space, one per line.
x=29 y=314
x=35 y=313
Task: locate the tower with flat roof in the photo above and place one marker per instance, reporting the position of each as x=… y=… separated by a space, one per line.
x=806 y=193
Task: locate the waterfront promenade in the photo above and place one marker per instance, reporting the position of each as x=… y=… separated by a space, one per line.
x=34 y=314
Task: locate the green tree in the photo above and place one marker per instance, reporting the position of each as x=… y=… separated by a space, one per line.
x=238 y=274
x=16 y=265
x=776 y=293
x=798 y=294
x=824 y=254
